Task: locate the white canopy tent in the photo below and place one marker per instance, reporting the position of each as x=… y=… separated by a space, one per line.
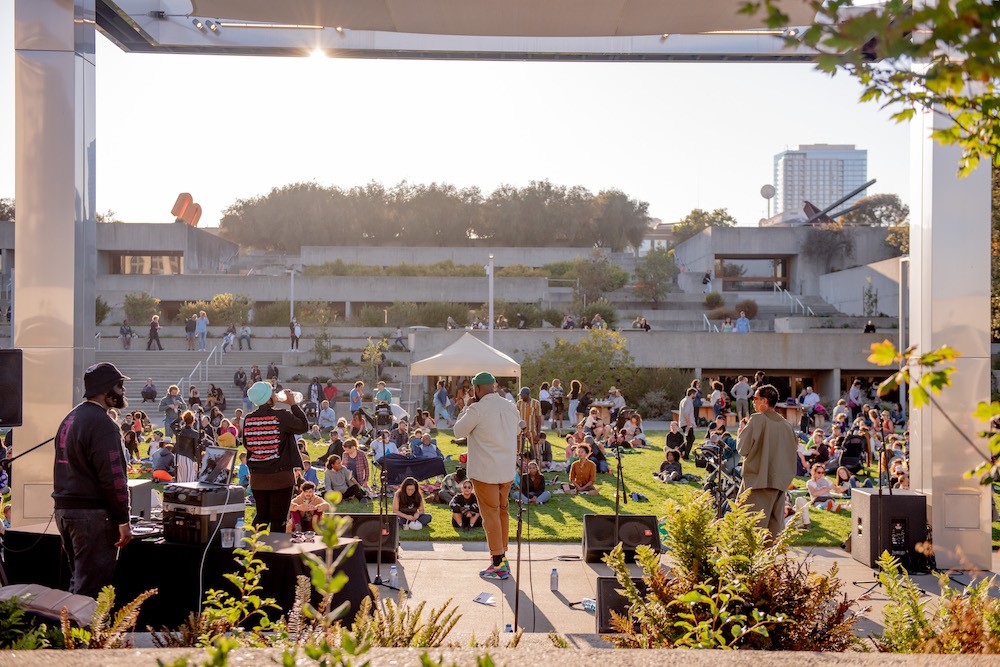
x=467 y=356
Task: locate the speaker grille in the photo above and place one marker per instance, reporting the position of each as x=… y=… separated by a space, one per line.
x=633 y=530
x=365 y=526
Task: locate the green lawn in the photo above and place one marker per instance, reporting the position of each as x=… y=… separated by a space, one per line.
x=561 y=519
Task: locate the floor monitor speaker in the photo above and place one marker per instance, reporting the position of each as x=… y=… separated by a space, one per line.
x=366 y=528
x=633 y=530
x=895 y=523
x=610 y=600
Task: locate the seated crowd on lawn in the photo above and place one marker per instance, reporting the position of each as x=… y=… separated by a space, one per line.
x=592 y=431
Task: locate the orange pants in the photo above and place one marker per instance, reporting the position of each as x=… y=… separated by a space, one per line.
x=493 y=509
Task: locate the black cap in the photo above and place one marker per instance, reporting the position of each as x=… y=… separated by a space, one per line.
x=99 y=378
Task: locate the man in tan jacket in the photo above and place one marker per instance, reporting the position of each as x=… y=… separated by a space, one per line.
x=768 y=446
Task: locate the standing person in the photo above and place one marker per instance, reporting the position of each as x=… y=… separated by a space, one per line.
x=90 y=483
x=272 y=455
x=687 y=420
x=188 y=448
x=490 y=424
x=201 y=330
x=357 y=394
x=768 y=446
x=742 y=323
x=154 y=333
x=741 y=393
x=125 y=331
x=382 y=394
x=575 y=390
x=293 y=327
x=558 y=408
x=706 y=280
x=530 y=411
x=441 y=415
x=855 y=399
x=171 y=405
x=190 y=328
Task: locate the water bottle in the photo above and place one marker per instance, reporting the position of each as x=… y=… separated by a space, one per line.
x=509 y=628
x=393 y=577
x=240 y=533
x=554 y=580
x=590 y=604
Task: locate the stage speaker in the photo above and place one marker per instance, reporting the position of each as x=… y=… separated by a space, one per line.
x=610 y=600
x=633 y=530
x=11 y=379
x=366 y=528
x=895 y=523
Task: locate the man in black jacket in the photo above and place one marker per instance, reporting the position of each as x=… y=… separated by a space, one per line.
x=90 y=482
x=272 y=454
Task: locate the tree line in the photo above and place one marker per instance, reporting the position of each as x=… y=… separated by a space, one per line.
x=540 y=214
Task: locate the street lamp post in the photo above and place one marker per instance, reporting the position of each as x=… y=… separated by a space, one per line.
x=291 y=295
x=489 y=271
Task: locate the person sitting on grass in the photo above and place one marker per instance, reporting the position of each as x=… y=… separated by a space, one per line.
x=428 y=448
x=670 y=469
x=847 y=481
x=597 y=455
x=451 y=485
x=821 y=489
x=582 y=474
x=339 y=478
x=356 y=461
x=408 y=506
x=306 y=510
x=465 y=509
x=163 y=463
x=532 y=486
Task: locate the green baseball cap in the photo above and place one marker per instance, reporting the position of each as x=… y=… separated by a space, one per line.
x=484 y=378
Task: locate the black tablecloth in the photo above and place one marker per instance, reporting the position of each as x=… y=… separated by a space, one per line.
x=34 y=555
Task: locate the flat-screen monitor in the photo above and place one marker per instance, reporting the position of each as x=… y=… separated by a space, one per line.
x=217 y=465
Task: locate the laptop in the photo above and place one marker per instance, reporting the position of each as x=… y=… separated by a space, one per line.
x=217 y=465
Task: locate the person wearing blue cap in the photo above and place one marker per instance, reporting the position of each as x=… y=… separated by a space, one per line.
x=272 y=454
x=490 y=423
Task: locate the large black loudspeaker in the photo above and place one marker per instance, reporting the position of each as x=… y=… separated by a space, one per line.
x=610 y=600
x=895 y=523
x=366 y=528
x=633 y=530
x=11 y=382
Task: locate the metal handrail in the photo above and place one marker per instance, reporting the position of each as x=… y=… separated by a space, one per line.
x=197 y=368
x=208 y=360
x=97 y=341
x=708 y=324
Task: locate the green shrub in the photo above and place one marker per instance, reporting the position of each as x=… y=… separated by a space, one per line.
x=520 y=271
x=370 y=316
x=964 y=620
x=403 y=313
x=720 y=313
x=308 y=313
x=222 y=310
x=436 y=314
x=597 y=361
x=19 y=631
x=732 y=587
x=655 y=405
x=713 y=300
x=140 y=307
x=101 y=310
x=671 y=382
x=747 y=305
x=553 y=316
x=602 y=306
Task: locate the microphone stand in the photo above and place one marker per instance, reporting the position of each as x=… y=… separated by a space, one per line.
x=620 y=490
x=383 y=529
x=522 y=466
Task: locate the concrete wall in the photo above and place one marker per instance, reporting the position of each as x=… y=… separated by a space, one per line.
x=390 y=256
x=844 y=290
x=721 y=353
x=203 y=251
x=322 y=288
x=697 y=254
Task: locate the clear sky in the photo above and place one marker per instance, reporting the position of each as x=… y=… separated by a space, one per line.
x=678 y=136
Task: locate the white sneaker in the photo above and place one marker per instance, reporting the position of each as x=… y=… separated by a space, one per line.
x=405 y=526
x=415 y=525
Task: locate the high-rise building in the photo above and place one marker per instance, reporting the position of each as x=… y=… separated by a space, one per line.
x=821 y=173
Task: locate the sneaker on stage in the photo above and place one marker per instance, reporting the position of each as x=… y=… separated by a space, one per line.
x=495 y=572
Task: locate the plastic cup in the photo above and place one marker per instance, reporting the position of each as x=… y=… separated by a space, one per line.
x=228 y=538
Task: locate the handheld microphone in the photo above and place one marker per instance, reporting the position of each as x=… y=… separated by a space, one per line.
x=522 y=425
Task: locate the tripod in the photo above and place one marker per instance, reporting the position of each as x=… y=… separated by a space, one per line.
x=383 y=530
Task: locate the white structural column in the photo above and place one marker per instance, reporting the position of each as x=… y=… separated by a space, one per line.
x=950 y=305
x=54 y=276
